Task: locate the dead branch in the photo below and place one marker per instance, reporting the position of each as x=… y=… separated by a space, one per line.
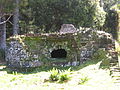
x=5 y=20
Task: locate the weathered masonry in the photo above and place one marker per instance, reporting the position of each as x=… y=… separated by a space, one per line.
x=69 y=46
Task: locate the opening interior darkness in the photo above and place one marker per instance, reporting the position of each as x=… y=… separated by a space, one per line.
x=59 y=53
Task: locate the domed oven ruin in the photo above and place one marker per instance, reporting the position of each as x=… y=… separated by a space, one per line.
x=69 y=46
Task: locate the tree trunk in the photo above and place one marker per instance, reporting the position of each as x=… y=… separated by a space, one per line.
x=101 y=3
x=3 y=35
x=16 y=19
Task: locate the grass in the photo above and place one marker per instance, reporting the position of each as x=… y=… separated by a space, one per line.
x=117 y=47
x=88 y=76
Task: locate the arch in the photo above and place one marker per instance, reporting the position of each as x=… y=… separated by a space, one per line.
x=59 y=53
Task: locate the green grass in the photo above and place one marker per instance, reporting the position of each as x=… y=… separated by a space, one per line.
x=88 y=76
x=117 y=47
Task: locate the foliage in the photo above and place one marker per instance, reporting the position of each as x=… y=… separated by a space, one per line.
x=64 y=75
x=111 y=18
x=26 y=18
x=59 y=75
x=100 y=55
x=103 y=56
x=51 y=14
x=6 y=6
x=109 y=3
x=83 y=80
x=54 y=74
x=99 y=19
x=115 y=7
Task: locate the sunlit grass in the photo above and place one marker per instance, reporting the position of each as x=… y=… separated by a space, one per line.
x=94 y=78
x=117 y=47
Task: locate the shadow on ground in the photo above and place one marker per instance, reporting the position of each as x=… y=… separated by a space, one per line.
x=3 y=67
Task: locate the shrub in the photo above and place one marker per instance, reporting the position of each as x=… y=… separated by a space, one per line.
x=111 y=17
x=64 y=76
x=54 y=75
x=100 y=55
x=103 y=56
x=83 y=80
x=59 y=75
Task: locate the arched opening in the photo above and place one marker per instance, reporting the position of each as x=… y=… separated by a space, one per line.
x=59 y=53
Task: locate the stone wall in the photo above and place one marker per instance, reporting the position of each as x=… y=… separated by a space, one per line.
x=33 y=50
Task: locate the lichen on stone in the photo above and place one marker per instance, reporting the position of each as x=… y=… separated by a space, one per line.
x=33 y=50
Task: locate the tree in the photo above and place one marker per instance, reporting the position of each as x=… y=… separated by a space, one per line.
x=16 y=18
x=4 y=8
x=109 y=3
x=101 y=3
x=26 y=19
x=2 y=34
x=49 y=15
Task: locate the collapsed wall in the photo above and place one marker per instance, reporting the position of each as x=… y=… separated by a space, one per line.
x=69 y=46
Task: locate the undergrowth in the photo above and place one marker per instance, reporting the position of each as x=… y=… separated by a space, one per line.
x=60 y=75
x=83 y=80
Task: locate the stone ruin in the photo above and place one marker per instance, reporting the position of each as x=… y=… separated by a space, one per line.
x=68 y=47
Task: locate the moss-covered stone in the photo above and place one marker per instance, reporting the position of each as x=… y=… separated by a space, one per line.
x=34 y=50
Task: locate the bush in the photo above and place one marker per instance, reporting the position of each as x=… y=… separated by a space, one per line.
x=100 y=55
x=111 y=17
x=99 y=18
x=59 y=75
x=54 y=75
x=83 y=80
x=64 y=76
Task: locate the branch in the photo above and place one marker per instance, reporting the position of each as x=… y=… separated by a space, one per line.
x=5 y=20
x=10 y=22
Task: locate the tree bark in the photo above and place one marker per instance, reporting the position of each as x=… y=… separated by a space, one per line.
x=16 y=19
x=101 y=3
x=2 y=34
